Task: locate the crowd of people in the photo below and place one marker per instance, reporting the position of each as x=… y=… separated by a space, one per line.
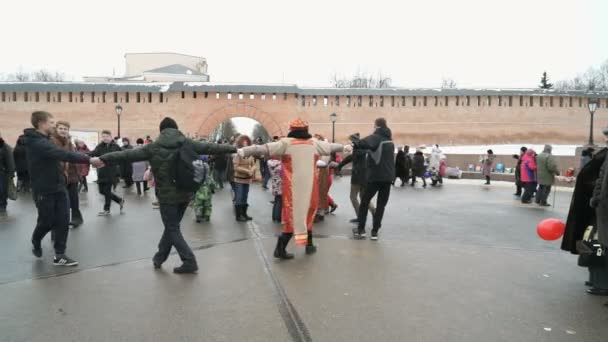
x=535 y=175
x=298 y=168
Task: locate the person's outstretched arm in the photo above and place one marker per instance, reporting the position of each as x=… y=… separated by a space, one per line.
x=212 y=148
x=50 y=150
x=133 y=155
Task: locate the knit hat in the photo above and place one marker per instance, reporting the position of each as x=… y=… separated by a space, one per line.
x=298 y=124
x=167 y=123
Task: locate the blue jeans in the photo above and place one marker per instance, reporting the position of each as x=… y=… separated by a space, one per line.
x=241 y=193
x=3 y=191
x=277 y=208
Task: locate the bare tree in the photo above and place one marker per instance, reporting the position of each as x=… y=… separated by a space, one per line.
x=448 y=83
x=361 y=80
x=595 y=78
x=44 y=75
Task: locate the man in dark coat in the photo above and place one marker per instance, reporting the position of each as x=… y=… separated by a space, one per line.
x=23 y=178
x=173 y=201
x=49 y=185
x=381 y=174
x=126 y=169
x=106 y=176
x=358 y=179
x=7 y=172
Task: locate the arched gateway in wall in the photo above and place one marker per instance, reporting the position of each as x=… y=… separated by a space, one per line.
x=416 y=116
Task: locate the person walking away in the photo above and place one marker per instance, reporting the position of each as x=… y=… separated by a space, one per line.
x=126 y=169
x=299 y=153
x=547 y=169
x=528 y=175
x=49 y=185
x=276 y=187
x=139 y=170
x=381 y=167
x=20 y=158
x=61 y=138
x=106 y=176
x=418 y=168
x=173 y=200
x=400 y=169
x=7 y=172
x=518 y=181
x=487 y=165
x=244 y=170
x=204 y=195
x=358 y=178
x=83 y=169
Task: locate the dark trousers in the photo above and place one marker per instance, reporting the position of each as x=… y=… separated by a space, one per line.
x=543 y=194
x=83 y=184
x=414 y=180
x=128 y=177
x=139 y=186
x=23 y=181
x=383 y=190
x=3 y=191
x=74 y=203
x=53 y=214
x=277 y=208
x=529 y=189
x=172 y=235
x=518 y=188
x=241 y=193
x=220 y=177
x=106 y=190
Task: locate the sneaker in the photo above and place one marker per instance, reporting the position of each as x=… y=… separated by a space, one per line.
x=104 y=213
x=183 y=269
x=359 y=235
x=374 y=236
x=36 y=250
x=63 y=260
x=333 y=208
x=122 y=206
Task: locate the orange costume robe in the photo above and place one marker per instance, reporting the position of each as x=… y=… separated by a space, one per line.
x=300 y=179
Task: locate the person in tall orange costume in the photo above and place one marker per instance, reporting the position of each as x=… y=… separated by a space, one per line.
x=299 y=153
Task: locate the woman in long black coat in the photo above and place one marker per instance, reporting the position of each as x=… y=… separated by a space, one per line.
x=402 y=170
x=23 y=178
x=418 y=168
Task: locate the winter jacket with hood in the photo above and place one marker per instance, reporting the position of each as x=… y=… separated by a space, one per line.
x=161 y=155
x=43 y=159
x=546 y=167
x=382 y=170
x=528 y=167
x=418 y=164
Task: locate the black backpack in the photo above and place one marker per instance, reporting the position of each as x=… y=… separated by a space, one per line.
x=189 y=171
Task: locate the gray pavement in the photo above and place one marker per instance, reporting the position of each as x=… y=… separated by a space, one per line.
x=458 y=263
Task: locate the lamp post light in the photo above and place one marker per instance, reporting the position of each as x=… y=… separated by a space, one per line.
x=333 y=117
x=118 y=109
x=592 y=107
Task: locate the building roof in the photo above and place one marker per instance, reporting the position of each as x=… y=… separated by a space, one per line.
x=156 y=87
x=177 y=69
x=157 y=53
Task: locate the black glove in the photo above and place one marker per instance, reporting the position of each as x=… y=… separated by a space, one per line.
x=594 y=202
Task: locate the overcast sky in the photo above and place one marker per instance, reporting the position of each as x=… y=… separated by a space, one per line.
x=478 y=43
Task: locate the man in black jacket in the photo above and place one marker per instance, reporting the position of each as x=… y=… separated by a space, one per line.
x=106 y=176
x=380 y=175
x=7 y=171
x=48 y=184
x=358 y=179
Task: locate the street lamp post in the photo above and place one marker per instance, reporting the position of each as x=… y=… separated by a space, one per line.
x=592 y=107
x=118 y=109
x=333 y=117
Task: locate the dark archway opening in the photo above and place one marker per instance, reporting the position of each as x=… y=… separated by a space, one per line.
x=233 y=127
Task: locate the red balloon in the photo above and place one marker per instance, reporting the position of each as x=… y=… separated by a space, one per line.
x=550 y=229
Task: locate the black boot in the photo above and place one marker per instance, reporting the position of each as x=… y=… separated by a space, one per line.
x=185 y=268
x=240 y=209
x=245 y=206
x=279 y=251
x=76 y=219
x=310 y=248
